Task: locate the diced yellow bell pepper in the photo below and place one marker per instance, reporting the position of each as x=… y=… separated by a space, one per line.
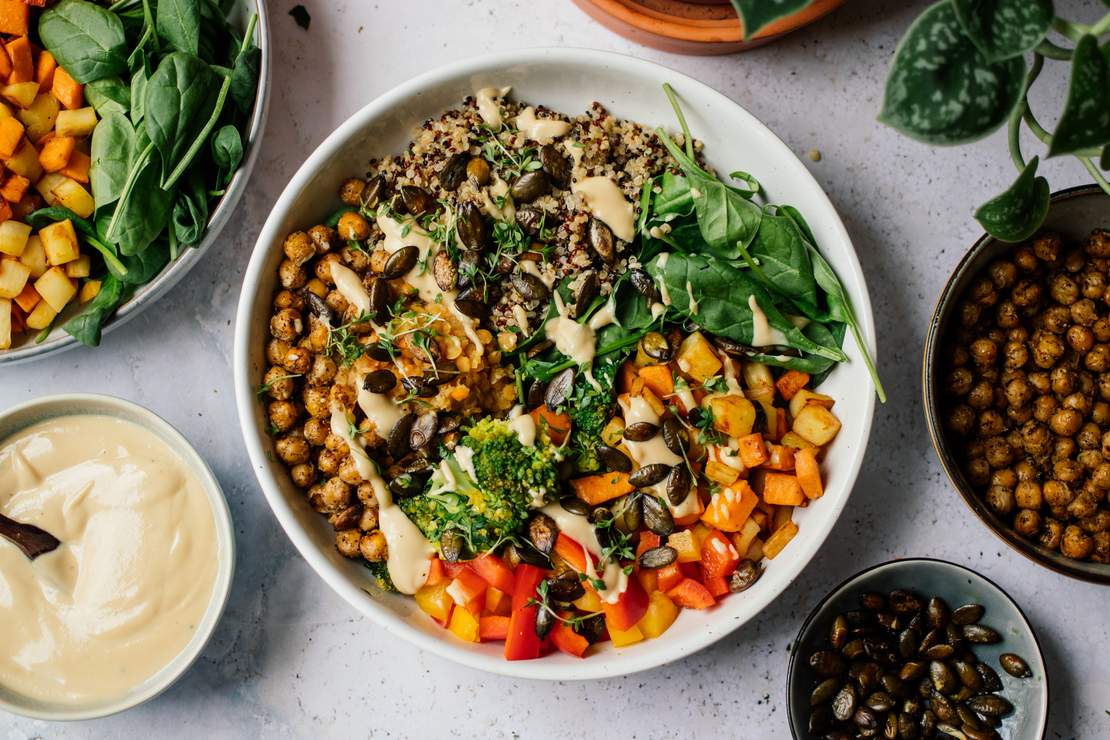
x=621 y=638
x=660 y=615
x=685 y=545
x=435 y=601
x=464 y=625
x=589 y=601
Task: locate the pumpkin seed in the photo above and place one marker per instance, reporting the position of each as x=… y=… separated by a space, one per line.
x=942 y=707
x=417 y=200
x=319 y=308
x=827 y=663
x=539 y=348
x=376 y=190
x=969 y=677
x=545 y=620
x=824 y=691
x=444 y=271
x=866 y=718
x=656 y=346
x=991 y=681
x=471 y=226
x=641 y=431
x=950 y=731
x=556 y=165
x=451 y=545
x=424 y=430
x=531 y=185
x=968 y=718
x=744 y=577
x=559 y=389
x=968 y=614
x=880 y=701
x=649 y=475
x=629 y=514
x=907 y=643
x=408 y=484
x=643 y=283
x=477 y=169
x=853 y=649
x=469 y=263
x=981 y=635
x=733 y=348
x=454 y=172
x=575 y=505
x=844 y=704
x=679 y=483
x=380 y=297
x=600 y=238
x=398 y=439
x=530 y=287
x=905 y=602
x=613 y=459
x=588 y=290
x=525 y=553
x=838 y=632
x=421 y=387
x=472 y=308
x=1015 y=665
x=992 y=705
x=943 y=677
x=939 y=652
x=379 y=381
x=657 y=517
x=872 y=601
x=820 y=720
x=658 y=557
x=533 y=396
x=912 y=670
x=400 y=262
x=533 y=220
x=937 y=613
x=566 y=587
x=674 y=436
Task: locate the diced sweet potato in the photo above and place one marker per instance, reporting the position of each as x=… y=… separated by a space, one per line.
x=14 y=187
x=77 y=168
x=23 y=67
x=11 y=133
x=658 y=378
x=29 y=298
x=753 y=451
x=602 y=487
x=782 y=489
x=809 y=473
x=780 y=458
x=730 y=507
x=55 y=153
x=44 y=70
x=14 y=15
x=69 y=92
x=89 y=290
x=791 y=382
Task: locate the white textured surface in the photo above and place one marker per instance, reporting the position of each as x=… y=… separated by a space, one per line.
x=291 y=660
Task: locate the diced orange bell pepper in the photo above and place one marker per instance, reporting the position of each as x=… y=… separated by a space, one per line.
x=648 y=541
x=629 y=609
x=436 y=572
x=730 y=507
x=522 y=642
x=718 y=556
x=494 y=571
x=555 y=425
x=55 y=153
x=493 y=627
x=669 y=576
x=498 y=602
x=569 y=641
x=622 y=638
x=14 y=187
x=572 y=552
x=464 y=625
x=468 y=589
x=601 y=487
x=691 y=595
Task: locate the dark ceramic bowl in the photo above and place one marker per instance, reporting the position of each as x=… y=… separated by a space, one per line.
x=1074 y=213
x=957 y=585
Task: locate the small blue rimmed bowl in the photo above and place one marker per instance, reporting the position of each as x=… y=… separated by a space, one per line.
x=957 y=585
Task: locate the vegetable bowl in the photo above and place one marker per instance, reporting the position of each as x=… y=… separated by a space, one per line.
x=120 y=176
x=333 y=309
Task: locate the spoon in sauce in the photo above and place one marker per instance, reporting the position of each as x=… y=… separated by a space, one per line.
x=27 y=537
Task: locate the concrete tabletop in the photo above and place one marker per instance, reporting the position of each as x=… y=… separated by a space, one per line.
x=291 y=659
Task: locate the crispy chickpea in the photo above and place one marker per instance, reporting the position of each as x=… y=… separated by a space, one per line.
x=323 y=370
x=1025 y=259
x=1086 y=384
x=1003 y=273
x=1063 y=448
x=373 y=546
x=1047 y=247
x=348 y=471
x=1063 y=380
x=1005 y=477
x=991 y=423
x=1101 y=551
x=1089 y=437
x=341 y=396
x=984 y=352
x=1051 y=532
x=286 y=325
x=1006 y=315
x=981 y=395
x=1057 y=319
x=367 y=496
x=1083 y=312
x=303 y=475
x=337 y=444
x=336 y=493
x=298 y=248
x=961 y=419
x=1076 y=543
x=1074 y=261
x=1040 y=382
x=1083 y=505
x=291 y=275
x=978 y=471
x=1100 y=477
x=1027 y=523
x=1026 y=293
x=368 y=519
x=982 y=291
x=1013 y=438
x=1019 y=415
x=996 y=335
x=316 y=431
x=350 y=192
x=1044 y=407
x=959 y=356
x=1098 y=243
x=1089 y=459
x=970 y=313
x=998 y=452
x=1025 y=471
x=1018 y=392
x=1080 y=338
x=347 y=541
x=293 y=450
x=316 y=498
x=1000 y=499
x=1097 y=522
x=322 y=269
x=1097 y=360
x=1035 y=439
x=1057 y=493
x=1047 y=349
x=318 y=334
x=275 y=351
x=324 y=238
x=1068 y=471
x=297 y=360
x=279 y=386
x=1027 y=494
x=328 y=461
x=283 y=415
x=353 y=226
x=1018 y=334
x=356 y=259
x=316 y=402
x=1101 y=330
x=1078 y=402
x=337 y=302
x=287 y=299
x=1092 y=284
x=1100 y=413
x=959 y=382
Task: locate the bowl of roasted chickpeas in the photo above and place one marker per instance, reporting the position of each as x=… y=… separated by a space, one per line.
x=1017 y=386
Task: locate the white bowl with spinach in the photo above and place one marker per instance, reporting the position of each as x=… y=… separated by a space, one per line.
x=181 y=91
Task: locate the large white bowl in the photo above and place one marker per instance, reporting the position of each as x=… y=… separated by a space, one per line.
x=567 y=80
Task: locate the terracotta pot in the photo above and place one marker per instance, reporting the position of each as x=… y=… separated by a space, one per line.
x=693 y=26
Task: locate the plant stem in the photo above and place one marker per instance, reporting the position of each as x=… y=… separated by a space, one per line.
x=125 y=192
x=1035 y=126
x=1073 y=31
x=1101 y=27
x=1102 y=183
x=673 y=98
x=1054 y=51
x=1015 y=117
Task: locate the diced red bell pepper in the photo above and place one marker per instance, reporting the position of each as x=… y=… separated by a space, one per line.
x=522 y=642
x=436 y=572
x=467 y=586
x=648 y=540
x=453 y=569
x=669 y=576
x=628 y=610
x=493 y=627
x=572 y=552
x=717 y=586
x=718 y=556
x=691 y=595
x=569 y=641
x=494 y=571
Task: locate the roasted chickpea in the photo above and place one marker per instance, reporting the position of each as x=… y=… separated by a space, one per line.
x=341 y=396
x=959 y=382
x=337 y=302
x=337 y=444
x=373 y=547
x=324 y=238
x=1019 y=416
x=1097 y=522
x=292 y=450
x=367 y=496
x=1003 y=273
x=346 y=518
x=352 y=226
x=1056 y=319
x=1098 y=243
x=323 y=370
x=1047 y=247
x=291 y=275
x=1089 y=459
x=1025 y=259
x=978 y=471
x=1044 y=407
x=322 y=269
x=1089 y=437
x=959 y=356
x=1006 y=315
x=1057 y=493
x=316 y=401
x=961 y=420
x=1068 y=471
x=275 y=351
x=347 y=542
x=998 y=452
x=368 y=520
x=1101 y=551
x=1074 y=261
x=298 y=248
x=1100 y=413
x=316 y=431
x=1006 y=478
x=1027 y=523
x=1078 y=402
x=1027 y=494
x=1092 y=284
x=1100 y=477
x=286 y=325
x=303 y=475
x=287 y=299
x=970 y=313
x=1063 y=448
x=1018 y=334
x=1000 y=499
x=1036 y=439
x=1097 y=360
x=982 y=291
x=348 y=471
x=328 y=462
x=1081 y=338
x=337 y=494
x=278 y=384
x=1076 y=543
x=981 y=395
x=350 y=192
x=984 y=352
x=357 y=259
x=1025 y=470
x=297 y=360
x=1047 y=349
x=1018 y=392
x=1026 y=293
x=1051 y=532
x=991 y=423
x=1101 y=330
x=1063 y=380
x=1083 y=505
x=283 y=415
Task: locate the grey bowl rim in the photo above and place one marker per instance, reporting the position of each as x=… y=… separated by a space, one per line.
x=149 y=294
x=792 y=666
x=945 y=304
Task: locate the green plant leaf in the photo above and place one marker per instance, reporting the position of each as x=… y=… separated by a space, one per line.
x=756 y=14
x=190 y=208
x=1002 y=29
x=111 y=152
x=108 y=95
x=1085 y=121
x=227 y=150
x=1104 y=160
x=180 y=98
x=178 y=22
x=143 y=209
x=941 y=89
x=1016 y=214
x=784 y=260
x=87 y=326
x=138 y=92
x=244 y=78
x=86 y=39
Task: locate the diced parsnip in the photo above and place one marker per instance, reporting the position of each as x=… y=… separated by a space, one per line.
x=790 y=439
x=720 y=473
x=733 y=415
x=13 y=277
x=757 y=375
x=40 y=117
x=816 y=424
x=74 y=197
x=809 y=473
x=805 y=398
x=743 y=539
x=685 y=545
x=76 y=123
x=60 y=241
x=697 y=358
x=620 y=638
x=56 y=288
x=41 y=317
x=11 y=133
x=5 y=323
x=776 y=542
x=29 y=298
x=21 y=93
x=5 y=211
x=783 y=515
x=90 y=290
x=80 y=267
x=13 y=237
x=25 y=161
x=755 y=550
x=14 y=187
x=34 y=256
x=613 y=432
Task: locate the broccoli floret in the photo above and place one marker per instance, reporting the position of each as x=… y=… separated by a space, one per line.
x=380 y=572
x=590 y=410
x=486 y=491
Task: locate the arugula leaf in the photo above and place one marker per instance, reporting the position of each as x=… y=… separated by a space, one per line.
x=178 y=22
x=86 y=39
x=87 y=326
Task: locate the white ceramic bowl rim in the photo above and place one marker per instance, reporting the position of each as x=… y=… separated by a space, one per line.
x=70 y=404
x=643 y=656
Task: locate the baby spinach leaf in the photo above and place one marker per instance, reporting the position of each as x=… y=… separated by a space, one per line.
x=783 y=259
x=87 y=326
x=1085 y=121
x=674 y=198
x=138 y=94
x=815 y=366
x=190 y=208
x=757 y=14
x=144 y=206
x=180 y=97
x=86 y=39
x=1001 y=29
x=244 y=78
x=108 y=95
x=178 y=22
x=111 y=152
x=1016 y=214
x=227 y=153
x=941 y=89
x=142 y=267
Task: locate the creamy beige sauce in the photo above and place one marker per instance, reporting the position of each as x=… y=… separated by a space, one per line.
x=545 y=274
x=660 y=283
x=579 y=529
x=540 y=130
x=637 y=409
x=576 y=341
x=606 y=201
x=524 y=425
x=498 y=189
x=125 y=592
x=489 y=105
x=693 y=300
x=763 y=334
x=379 y=409
x=409 y=552
x=350 y=287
